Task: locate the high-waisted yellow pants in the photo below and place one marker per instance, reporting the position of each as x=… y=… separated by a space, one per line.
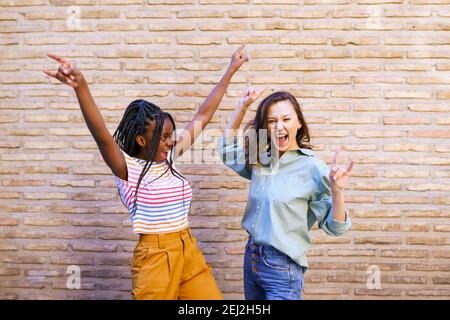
x=169 y=266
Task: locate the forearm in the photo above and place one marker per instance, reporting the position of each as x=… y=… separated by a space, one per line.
x=91 y=114
x=236 y=119
x=207 y=109
x=338 y=205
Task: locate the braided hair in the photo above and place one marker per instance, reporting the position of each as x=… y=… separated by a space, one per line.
x=135 y=120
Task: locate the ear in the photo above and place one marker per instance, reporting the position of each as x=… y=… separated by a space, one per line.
x=140 y=141
x=298 y=129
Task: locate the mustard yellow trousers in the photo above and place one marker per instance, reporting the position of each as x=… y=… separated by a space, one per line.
x=170 y=266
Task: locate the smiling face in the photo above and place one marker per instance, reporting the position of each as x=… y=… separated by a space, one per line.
x=280 y=114
x=282 y=125
x=165 y=142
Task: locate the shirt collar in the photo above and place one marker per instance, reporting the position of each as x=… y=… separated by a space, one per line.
x=304 y=151
x=142 y=163
x=292 y=155
x=288 y=156
x=307 y=152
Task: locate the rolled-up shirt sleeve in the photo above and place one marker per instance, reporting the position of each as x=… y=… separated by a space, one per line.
x=233 y=156
x=321 y=206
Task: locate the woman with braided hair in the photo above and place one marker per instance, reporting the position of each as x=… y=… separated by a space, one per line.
x=167 y=263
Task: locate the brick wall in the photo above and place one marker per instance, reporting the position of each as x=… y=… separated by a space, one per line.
x=371 y=75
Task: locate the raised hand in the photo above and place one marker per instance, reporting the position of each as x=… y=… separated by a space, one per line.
x=250 y=95
x=238 y=59
x=338 y=174
x=67 y=73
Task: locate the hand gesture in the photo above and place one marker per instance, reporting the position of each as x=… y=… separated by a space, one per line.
x=339 y=175
x=67 y=73
x=238 y=59
x=250 y=95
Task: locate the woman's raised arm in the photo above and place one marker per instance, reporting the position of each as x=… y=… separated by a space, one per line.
x=210 y=105
x=68 y=74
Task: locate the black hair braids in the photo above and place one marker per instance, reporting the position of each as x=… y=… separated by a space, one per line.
x=169 y=162
x=134 y=122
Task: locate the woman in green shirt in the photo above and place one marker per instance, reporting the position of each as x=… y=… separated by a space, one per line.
x=290 y=190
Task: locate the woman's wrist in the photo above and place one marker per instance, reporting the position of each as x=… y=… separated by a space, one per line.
x=82 y=85
x=337 y=192
x=243 y=106
x=230 y=71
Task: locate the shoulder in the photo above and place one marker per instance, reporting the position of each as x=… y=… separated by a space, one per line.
x=135 y=162
x=318 y=166
x=134 y=165
x=127 y=157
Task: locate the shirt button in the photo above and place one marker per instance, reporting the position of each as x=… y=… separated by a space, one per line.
x=253 y=255
x=254 y=269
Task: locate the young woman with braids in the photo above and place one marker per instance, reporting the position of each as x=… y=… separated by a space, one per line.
x=290 y=190
x=167 y=263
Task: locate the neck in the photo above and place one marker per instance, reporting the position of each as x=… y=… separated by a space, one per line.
x=142 y=156
x=280 y=153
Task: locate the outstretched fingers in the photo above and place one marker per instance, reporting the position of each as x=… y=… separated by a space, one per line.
x=64 y=70
x=349 y=168
x=59 y=76
x=64 y=79
x=334 y=165
x=50 y=73
x=57 y=58
x=338 y=173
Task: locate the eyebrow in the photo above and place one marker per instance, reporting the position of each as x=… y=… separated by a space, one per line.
x=284 y=115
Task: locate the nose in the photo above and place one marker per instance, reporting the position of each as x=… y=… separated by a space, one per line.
x=278 y=125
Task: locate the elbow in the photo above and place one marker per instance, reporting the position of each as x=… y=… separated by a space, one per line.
x=337 y=231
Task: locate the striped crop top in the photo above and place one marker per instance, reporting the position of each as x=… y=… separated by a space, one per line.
x=163 y=201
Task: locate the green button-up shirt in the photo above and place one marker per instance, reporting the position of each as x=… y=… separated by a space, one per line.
x=285 y=198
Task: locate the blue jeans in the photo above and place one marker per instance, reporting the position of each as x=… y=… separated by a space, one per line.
x=269 y=274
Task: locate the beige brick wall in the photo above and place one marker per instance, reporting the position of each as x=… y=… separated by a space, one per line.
x=372 y=76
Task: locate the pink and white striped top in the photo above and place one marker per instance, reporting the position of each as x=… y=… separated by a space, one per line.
x=163 y=201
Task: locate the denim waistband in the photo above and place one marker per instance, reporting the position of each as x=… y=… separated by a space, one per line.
x=260 y=247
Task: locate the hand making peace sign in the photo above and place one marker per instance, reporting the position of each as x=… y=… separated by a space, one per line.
x=67 y=73
x=250 y=95
x=338 y=174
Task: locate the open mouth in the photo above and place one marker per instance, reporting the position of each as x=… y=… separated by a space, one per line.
x=164 y=154
x=282 y=140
